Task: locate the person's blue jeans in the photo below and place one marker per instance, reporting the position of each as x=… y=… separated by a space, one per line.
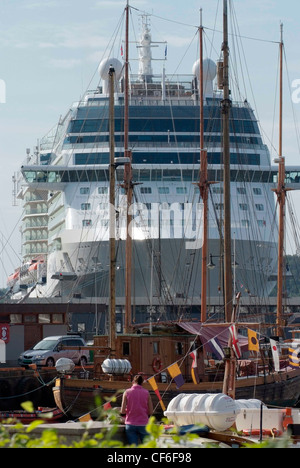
x=135 y=434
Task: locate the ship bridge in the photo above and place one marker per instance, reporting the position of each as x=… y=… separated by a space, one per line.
x=56 y=177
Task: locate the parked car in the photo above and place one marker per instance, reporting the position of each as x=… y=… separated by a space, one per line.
x=50 y=349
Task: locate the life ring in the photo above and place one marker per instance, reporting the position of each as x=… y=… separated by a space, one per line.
x=156 y=364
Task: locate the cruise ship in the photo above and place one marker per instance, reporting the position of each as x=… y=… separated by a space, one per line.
x=64 y=187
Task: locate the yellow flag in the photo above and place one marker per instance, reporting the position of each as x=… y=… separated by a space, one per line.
x=153 y=384
x=253 y=344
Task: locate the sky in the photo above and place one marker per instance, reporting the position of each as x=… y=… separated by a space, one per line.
x=50 y=51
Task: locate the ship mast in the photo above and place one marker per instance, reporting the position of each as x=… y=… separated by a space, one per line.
x=230 y=313
x=281 y=198
x=128 y=185
x=112 y=218
x=203 y=183
x=225 y=106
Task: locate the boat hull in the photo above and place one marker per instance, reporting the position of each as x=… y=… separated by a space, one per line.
x=175 y=271
x=77 y=397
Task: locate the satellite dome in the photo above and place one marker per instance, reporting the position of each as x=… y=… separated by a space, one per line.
x=209 y=74
x=209 y=69
x=105 y=65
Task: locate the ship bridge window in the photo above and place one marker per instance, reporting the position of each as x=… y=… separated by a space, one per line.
x=29 y=176
x=293 y=177
x=73 y=176
x=156 y=174
x=54 y=176
x=144 y=174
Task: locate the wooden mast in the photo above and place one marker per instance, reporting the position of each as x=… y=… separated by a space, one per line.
x=203 y=183
x=112 y=218
x=226 y=105
x=281 y=197
x=230 y=313
x=128 y=186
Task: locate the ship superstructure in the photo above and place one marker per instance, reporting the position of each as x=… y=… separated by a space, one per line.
x=65 y=187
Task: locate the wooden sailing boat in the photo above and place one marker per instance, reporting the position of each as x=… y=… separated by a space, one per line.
x=152 y=354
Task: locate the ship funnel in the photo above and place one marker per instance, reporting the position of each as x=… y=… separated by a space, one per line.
x=103 y=70
x=209 y=74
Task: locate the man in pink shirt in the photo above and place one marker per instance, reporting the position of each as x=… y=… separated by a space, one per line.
x=136 y=407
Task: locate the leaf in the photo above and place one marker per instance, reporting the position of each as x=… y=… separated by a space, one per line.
x=34 y=424
x=28 y=406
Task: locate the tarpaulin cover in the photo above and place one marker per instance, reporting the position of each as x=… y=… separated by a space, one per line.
x=207 y=333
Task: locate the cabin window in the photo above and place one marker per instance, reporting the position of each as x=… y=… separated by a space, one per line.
x=85 y=206
x=241 y=190
x=155 y=347
x=245 y=222
x=146 y=190
x=261 y=223
x=30 y=319
x=257 y=191
x=179 y=348
x=86 y=222
x=163 y=190
x=57 y=318
x=44 y=318
x=81 y=327
x=102 y=190
x=126 y=348
x=181 y=190
x=15 y=318
x=84 y=190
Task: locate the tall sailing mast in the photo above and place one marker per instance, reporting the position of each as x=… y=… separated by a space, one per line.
x=112 y=218
x=230 y=363
x=203 y=183
x=226 y=105
x=281 y=198
x=128 y=186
